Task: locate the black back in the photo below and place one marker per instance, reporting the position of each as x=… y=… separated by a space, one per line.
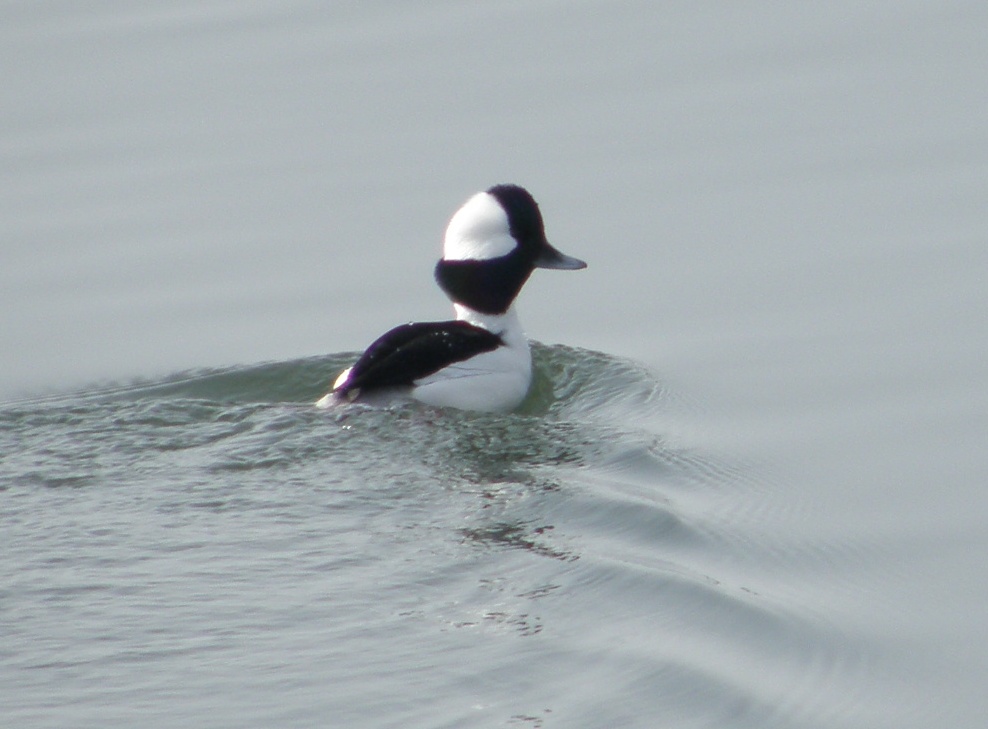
x=412 y=351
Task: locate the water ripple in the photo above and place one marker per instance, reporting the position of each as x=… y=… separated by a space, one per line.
x=395 y=536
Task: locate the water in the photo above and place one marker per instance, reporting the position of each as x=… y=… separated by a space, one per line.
x=213 y=543
x=748 y=492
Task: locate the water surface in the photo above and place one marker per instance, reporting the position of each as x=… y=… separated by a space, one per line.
x=748 y=492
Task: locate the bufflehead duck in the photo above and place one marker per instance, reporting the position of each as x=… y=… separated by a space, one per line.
x=480 y=360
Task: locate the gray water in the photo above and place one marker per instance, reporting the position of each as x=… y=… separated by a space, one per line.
x=748 y=491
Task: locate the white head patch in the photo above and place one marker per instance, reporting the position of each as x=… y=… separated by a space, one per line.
x=478 y=231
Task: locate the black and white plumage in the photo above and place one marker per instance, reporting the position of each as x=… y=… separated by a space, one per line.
x=412 y=352
x=480 y=360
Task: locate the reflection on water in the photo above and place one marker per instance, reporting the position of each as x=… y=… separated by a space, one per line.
x=430 y=517
x=517 y=536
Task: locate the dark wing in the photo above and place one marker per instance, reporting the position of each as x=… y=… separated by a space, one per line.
x=412 y=351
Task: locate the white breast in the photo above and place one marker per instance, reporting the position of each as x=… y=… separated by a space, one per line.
x=492 y=381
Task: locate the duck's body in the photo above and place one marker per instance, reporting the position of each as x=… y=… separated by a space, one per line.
x=480 y=360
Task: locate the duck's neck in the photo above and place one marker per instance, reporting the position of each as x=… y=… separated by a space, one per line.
x=506 y=325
